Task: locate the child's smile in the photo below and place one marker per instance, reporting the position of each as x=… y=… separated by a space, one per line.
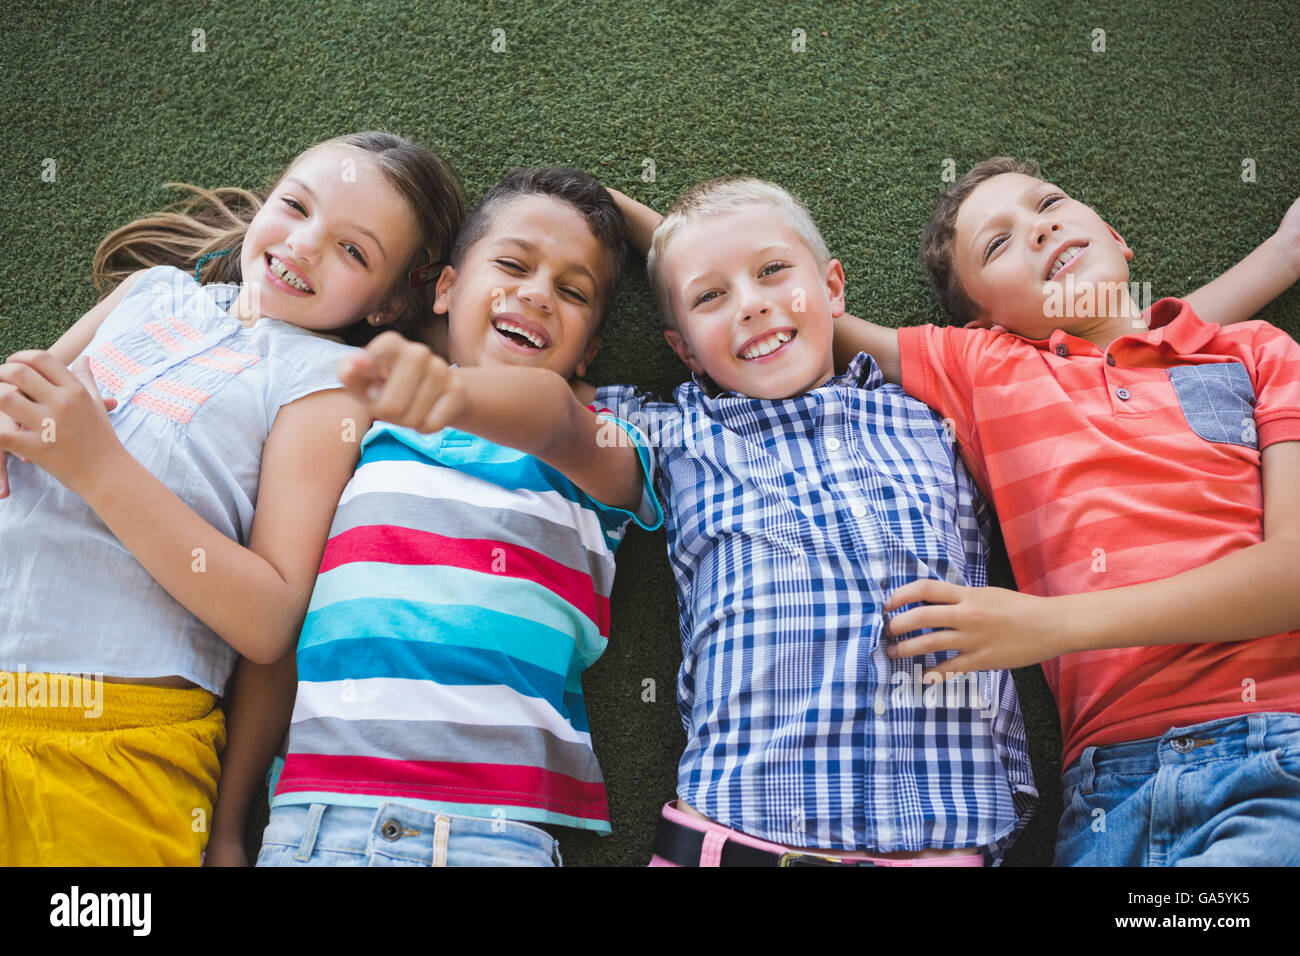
x=529 y=291
x=753 y=308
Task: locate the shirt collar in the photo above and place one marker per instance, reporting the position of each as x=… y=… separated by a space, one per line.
x=1171 y=322
x=863 y=372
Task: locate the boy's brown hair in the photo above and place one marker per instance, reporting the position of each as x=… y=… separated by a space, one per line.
x=937 y=241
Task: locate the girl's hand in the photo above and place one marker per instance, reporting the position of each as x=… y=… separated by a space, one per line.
x=62 y=421
x=404 y=383
x=225 y=849
x=990 y=628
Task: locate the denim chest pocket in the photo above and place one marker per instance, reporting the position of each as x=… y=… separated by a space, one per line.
x=1218 y=401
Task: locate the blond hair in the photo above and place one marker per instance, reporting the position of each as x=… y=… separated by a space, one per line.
x=718 y=197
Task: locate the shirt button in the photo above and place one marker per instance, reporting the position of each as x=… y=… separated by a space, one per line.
x=859 y=511
x=1062 y=351
x=1110 y=360
x=880 y=706
x=1122 y=394
x=832 y=444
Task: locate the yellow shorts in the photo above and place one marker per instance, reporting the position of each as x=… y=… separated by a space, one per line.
x=101 y=774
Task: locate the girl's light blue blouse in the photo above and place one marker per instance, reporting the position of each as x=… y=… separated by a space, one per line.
x=197 y=394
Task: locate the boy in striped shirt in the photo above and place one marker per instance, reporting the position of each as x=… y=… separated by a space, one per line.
x=439 y=717
x=1145 y=468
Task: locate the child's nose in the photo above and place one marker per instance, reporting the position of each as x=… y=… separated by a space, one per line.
x=535 y=295
x=1043 y=231
x=303 y=244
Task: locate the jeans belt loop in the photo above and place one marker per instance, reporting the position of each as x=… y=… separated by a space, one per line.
x=1257 y=734
x=308 y=844
x=1089 y=770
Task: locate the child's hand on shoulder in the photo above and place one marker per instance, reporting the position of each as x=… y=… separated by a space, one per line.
x=55 y=418
x=404 y=383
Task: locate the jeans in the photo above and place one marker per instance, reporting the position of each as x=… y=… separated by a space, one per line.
x=399 y=835
x=1221 y=793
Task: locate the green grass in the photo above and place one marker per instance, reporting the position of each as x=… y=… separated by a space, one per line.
x=1151 y=132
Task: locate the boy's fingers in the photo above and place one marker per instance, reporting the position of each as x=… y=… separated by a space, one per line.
x=358 y=373
x=928 y=590
x=930 y=615
x=385 y=349
x=927 y=644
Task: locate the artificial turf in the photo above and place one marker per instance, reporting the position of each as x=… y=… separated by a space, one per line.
x=1152 y=132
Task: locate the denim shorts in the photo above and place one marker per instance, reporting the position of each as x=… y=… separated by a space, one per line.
x=1221 y=793
x=399 y=835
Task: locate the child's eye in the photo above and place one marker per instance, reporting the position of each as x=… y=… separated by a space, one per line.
x=509 y=264
x=704 y=297
x=574 y=294
x=993 y=246
x=1049 y=201
x=772 y=268
x=289 y=201
x=354 y=252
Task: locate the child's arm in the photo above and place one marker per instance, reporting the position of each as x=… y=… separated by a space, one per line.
x=1247 y=594
x=1271 y=269
x=259 y=706
x=254 y=598
x=854 y=335
x=641 y=220
x=532 y=410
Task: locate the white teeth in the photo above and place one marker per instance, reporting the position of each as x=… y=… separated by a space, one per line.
x=1063 y=258
x=283 y=271
x=767 y=345
x=532 y=337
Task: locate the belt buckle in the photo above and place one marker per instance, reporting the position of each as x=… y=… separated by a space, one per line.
x=792 y=858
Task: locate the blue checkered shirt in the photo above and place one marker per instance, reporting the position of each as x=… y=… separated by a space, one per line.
x=789 y=522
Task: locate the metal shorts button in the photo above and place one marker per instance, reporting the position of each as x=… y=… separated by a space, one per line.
x=1182 y=744
x=391 y=830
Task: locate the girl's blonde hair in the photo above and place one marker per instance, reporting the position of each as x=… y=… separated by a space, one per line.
x=212 y=220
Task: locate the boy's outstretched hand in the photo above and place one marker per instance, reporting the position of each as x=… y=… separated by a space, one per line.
x=990 y=628
x=404 y=383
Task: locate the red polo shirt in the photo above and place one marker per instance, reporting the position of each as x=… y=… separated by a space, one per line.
x=1117 y=467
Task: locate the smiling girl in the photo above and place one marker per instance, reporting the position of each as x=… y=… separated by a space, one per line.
x=161 y=531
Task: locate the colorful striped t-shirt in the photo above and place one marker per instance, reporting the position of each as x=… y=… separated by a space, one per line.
x=464 y=589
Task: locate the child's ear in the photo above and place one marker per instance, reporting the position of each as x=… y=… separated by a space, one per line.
x=441 y=298
x=835 y=287
x=588 y=356
x=679 y=345
x=1128 y=253
x=386 y=313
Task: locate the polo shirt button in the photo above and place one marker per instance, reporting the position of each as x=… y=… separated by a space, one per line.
x=1122 y=394
x=832 y=444
x=879 y=706
x=1110 y=360
x=1062 y=351
x=859 y=511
